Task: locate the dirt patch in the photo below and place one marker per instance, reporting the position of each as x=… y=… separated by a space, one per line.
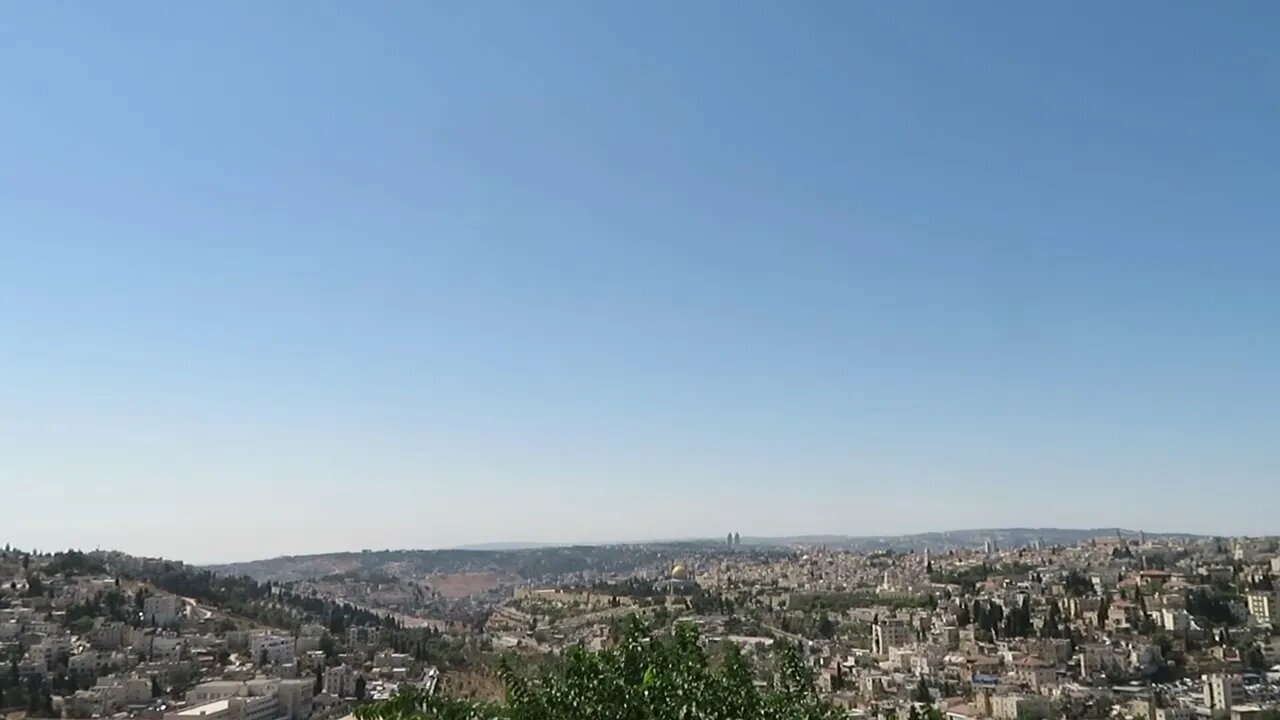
x=460 y=585
x=476 y=684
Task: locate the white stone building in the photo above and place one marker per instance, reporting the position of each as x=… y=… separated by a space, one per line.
x=276 y=649
x=161 y=610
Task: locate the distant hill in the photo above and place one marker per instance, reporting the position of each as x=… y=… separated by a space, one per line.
x=527 y=564
x=507 y=546
x=533 y=561
x=955 y=539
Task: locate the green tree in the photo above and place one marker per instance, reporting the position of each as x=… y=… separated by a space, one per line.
x=327 y=646
x=641 y=678
x=1052 y=622
x=82 y=626
x=34 y=690
x=922 y=694
x=1254 y=658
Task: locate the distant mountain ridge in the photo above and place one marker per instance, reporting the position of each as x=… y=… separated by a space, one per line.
x=540 y=560
x=1003 y=537
x=954 y=539
x=507 y=546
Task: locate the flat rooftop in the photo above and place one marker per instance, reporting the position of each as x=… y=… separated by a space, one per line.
x=208 y=708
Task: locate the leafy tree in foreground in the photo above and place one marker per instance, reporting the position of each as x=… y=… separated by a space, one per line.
x=642 y=678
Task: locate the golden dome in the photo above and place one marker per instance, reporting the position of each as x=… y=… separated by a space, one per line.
x=678 y=572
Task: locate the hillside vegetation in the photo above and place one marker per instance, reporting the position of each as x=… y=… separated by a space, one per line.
x=641 y=678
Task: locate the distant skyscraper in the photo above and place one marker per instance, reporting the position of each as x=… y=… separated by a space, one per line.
x=737 y=540
x=728 y=540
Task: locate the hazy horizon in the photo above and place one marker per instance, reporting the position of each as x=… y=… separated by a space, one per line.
x=519 y=544
x=281 y=277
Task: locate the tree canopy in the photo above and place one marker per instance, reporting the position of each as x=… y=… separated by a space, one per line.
x=640 y=678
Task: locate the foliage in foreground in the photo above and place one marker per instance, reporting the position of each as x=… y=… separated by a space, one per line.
x=641 y=678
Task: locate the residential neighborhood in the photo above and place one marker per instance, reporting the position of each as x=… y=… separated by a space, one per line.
x=1126 y=627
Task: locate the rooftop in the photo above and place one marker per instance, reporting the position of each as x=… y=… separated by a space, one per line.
x=208 y=708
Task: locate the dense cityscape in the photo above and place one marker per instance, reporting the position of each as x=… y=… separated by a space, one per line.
x=1007 y=625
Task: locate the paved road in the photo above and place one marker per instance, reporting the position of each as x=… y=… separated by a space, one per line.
x=196 y=610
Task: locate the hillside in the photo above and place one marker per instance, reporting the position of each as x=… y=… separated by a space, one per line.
x=531 y=564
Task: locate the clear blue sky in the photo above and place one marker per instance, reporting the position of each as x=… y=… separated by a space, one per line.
x=304 y=276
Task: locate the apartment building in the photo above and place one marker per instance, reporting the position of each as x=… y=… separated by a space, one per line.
x=1262 y=608
x=1220 y=690
x=163 y=648
x=363 y=635
x=296 y=698
x=115 y=692
x=231 y=708
x=162 y=610
x=109 y=636
x=889 y=634
x=1174 y=713
x=340 y=681
x=1034 y=673
x=262 y=699
x=1020 y=707
x=1178 y=621
x=45 y=654
x=274 y=649
x=385 y=659
x=84 y=664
